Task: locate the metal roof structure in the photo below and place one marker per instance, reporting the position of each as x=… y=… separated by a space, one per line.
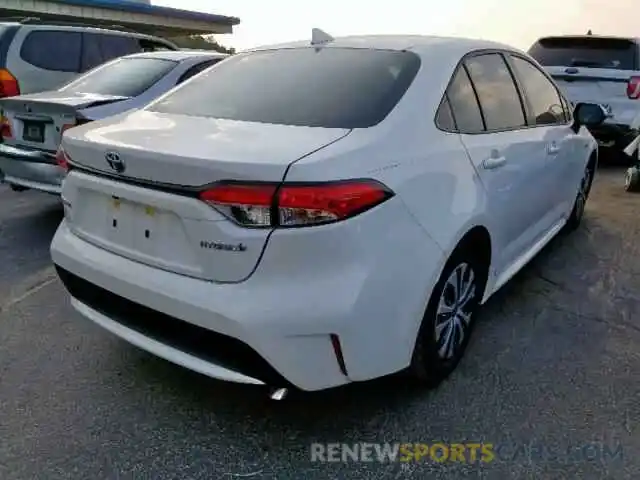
x=134 y=15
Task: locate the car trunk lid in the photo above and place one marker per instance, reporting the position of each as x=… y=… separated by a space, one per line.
x=595 y=85
x=38 y=120
x=591 y=68
x=150 y=210
x=587 y=84
x=193 y=151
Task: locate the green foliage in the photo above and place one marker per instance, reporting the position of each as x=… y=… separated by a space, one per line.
x=201 y=42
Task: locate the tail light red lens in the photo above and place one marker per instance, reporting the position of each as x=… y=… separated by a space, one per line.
x=5 y=128
x=295 y=205
x=67 y=126
x=62 y=159
x=8 y=84
x=633 y=88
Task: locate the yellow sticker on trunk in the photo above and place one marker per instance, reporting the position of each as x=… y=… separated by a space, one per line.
x=150 y=211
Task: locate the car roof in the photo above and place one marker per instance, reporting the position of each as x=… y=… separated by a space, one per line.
x=417 y=43
x=79 y=26
x=178 y=55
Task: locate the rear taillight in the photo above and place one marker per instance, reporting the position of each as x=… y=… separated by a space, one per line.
x=633 y=88
x=5 y=128
x=8 y=84
x=67 y=126
x=62 y=159
x=294 y=205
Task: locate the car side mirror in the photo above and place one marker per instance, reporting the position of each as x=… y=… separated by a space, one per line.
x=589 y=115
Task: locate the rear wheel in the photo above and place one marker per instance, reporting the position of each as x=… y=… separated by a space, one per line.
x=580 y=202
x=632 y=179
x=18 y=188
x=448 y=321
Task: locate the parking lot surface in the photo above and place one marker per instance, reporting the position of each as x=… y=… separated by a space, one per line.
x=551 y=378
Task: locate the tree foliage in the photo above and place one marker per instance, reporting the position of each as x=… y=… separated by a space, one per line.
x=201 y=42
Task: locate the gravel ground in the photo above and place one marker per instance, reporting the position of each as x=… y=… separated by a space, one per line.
x=551 y=379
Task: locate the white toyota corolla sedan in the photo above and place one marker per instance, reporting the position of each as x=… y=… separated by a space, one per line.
x=318 y=213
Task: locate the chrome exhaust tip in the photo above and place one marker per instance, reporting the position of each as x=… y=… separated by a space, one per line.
x=278 y=394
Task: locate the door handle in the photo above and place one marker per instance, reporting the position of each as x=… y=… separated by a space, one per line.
x=553 y=148
x=492 y=163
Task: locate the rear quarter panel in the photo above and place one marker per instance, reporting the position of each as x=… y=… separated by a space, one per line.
x=434 y=182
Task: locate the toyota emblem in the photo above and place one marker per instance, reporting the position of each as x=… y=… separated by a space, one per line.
x=115 y=162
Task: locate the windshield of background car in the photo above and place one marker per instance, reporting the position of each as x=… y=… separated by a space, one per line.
x=126 y=77
x=326 y=87
x=588 y=52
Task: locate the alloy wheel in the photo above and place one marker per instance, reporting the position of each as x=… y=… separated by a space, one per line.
x=455 y=307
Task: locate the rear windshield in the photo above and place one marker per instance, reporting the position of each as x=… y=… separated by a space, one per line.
x=127 y=77
x=328 y=87
x=618 y=54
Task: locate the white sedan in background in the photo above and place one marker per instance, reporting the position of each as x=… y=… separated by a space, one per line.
x=32 y=125
x=318 y=213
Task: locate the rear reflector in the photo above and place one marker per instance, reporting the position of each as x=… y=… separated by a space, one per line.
x=248 y=205
x=62 y=159
x=295 y=205
x=337 y=350
x=8 y=84
x=5 y=128
x=633 y=88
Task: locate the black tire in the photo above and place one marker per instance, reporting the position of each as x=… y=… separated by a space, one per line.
x=580 y=203
x=428 y=364
x=632 y=179
x=18 y=188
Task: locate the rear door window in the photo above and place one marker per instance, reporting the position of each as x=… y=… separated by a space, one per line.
x=7 y=32
x=53 y=50
x=329 y=87
x=499 y=98
x=127 y=77
x=91 y=51
x=464 y=104
x=543 y=97
x=114 y=46
x=444 y=117
x=593 y=52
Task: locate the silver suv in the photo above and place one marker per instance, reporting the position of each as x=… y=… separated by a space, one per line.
x=36 y=56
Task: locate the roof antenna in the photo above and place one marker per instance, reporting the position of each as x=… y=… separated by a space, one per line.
x=589 y=32
x=320 y=38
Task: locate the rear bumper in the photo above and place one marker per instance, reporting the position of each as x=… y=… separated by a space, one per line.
x=26 y=172
x=222 y=331
x=274 y=328
x=26 y=155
